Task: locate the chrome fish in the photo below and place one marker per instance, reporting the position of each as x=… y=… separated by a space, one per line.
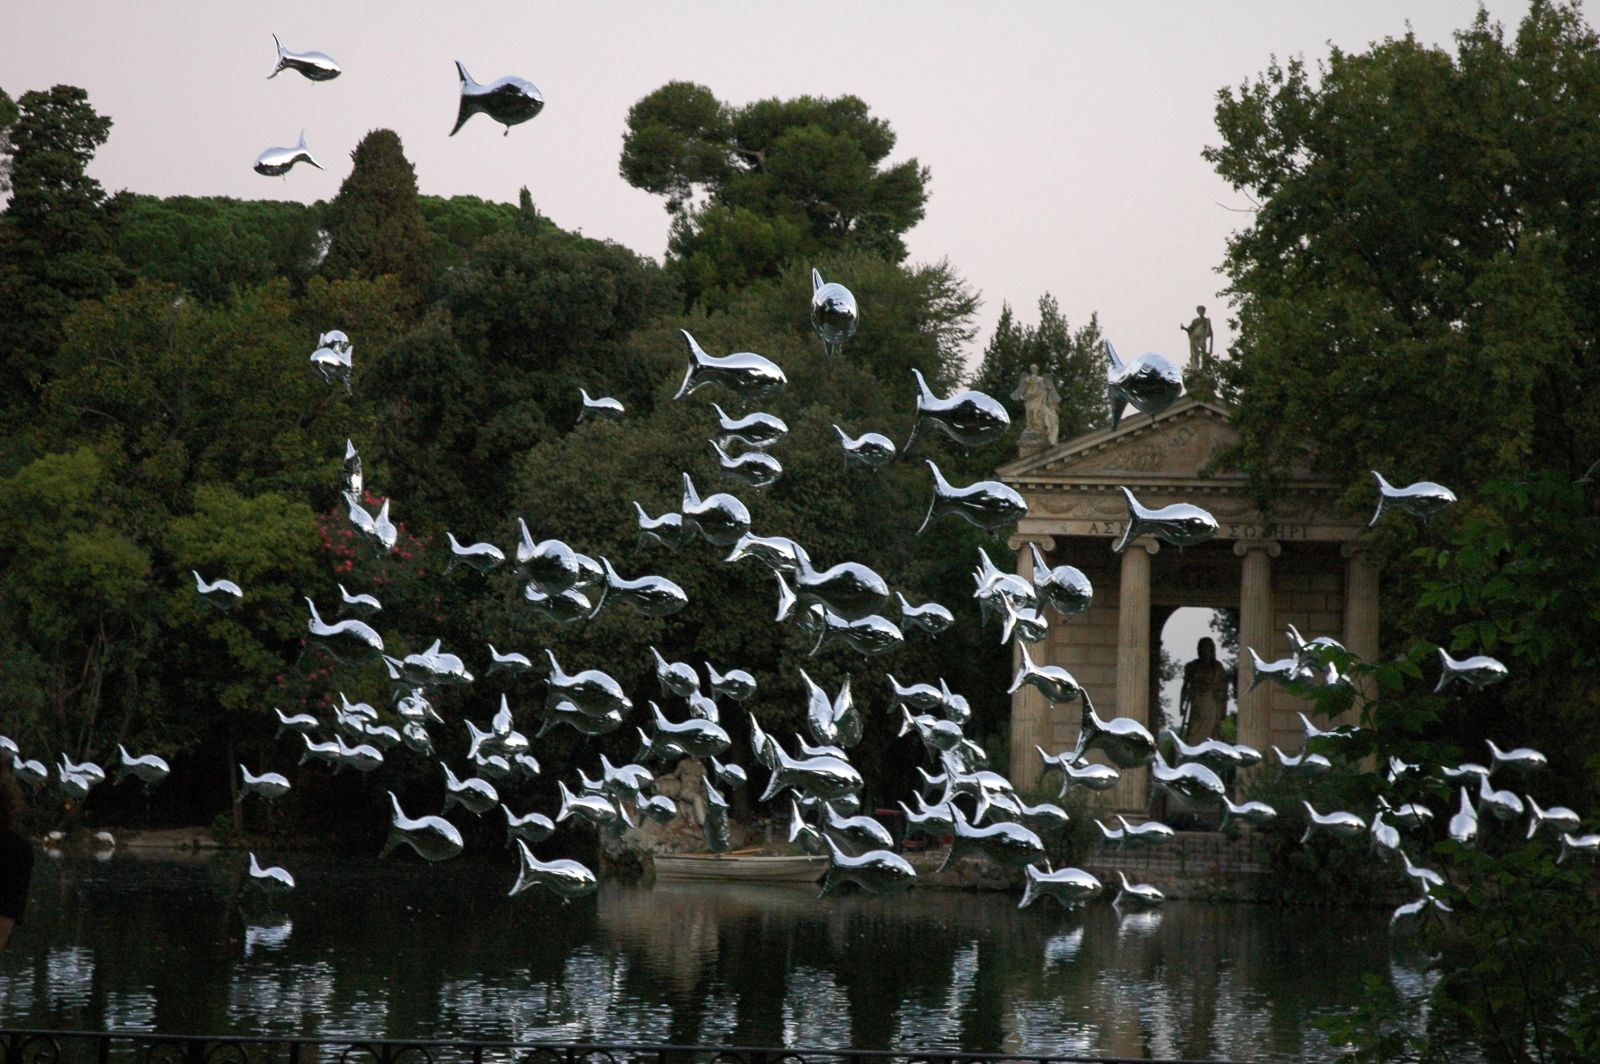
x=272 y=880
x=509 y=101
x=735 y=683
x=1070 y=887
x=223 y=594
x=652 y=596
x=432 y=837
x=968 y=417
x=758 y=430
x=1558 y=818
x=745 y=373
x=1002 y=842
x=876 y=871
x=1126 y=742
x=351 y=632
x=675 y=677
x=475 y=795
x=1503 y=804
x=1340 y=825
x=1256 y=814
x=1149 y=384
x=350 y=479
x=604 y=408
x=479 y=556
x=1522 y=759
x=755 y=468
x=1191 y=784
x=1181 y=524
x=930 y=616
x=1140 y=895
x=1064 y=587
x=720 y=518
x=268 y=785
x=1464 y=824
x=531 y=827
x=667 y=530
x=590 y=690
x=149 y=769
x=872 y=449
x=313 y=66
x=1304 y=764
x=825 y=778
x=566 y=879
x=1476 y=672
x=987 y=504
x=1422 y=499
x=358 y=605
x=275 y=162
x=834 y=315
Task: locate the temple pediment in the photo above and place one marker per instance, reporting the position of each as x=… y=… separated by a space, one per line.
x=1175 y=445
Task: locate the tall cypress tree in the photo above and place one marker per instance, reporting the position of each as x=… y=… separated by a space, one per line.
x=375 y=224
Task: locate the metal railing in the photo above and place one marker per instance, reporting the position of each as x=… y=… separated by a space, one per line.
x=144 y=1047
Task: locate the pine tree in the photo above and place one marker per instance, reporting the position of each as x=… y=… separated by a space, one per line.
x=375 y=224
x=1071 y=358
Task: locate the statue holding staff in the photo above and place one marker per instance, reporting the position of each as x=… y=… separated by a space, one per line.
x=1041 y=403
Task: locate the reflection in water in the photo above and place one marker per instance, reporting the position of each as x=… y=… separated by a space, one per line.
x=157 y=945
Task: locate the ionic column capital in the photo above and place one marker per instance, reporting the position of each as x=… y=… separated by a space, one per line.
x=1021 y=540
x=1243 y=547
x=1148 y=544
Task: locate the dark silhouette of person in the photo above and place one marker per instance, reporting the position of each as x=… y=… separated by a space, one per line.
x=1204 y=697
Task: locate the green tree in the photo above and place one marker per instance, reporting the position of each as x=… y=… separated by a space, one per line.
x=753 y=188
x=214 y=247
x=8 y=118
x=1414 y=292
x=1073 y=358
x=375 y=224
x=55 y=247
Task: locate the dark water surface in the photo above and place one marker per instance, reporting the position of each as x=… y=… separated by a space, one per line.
x=396 y=949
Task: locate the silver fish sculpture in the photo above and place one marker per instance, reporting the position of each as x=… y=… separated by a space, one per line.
x=1476 y=672
x=1191 y=785
x=872 y=449
x=412 y=704
x=1045 y=818
x=313 y=66
x=509 y=101
x=432 y=837
x=778 y=553
x=876 y=871
x=566 y=878
x=604 y=408
x=1408 y=817
x=531 y=827
x=271 y=880
x=1422 y=499
x=1126 y=742
x=657 y=807
x=1149 y=384
x=825 y=778
x=268 y=785
x=351 y=632
x=1181 y=524
x=415 y=735
x=87 y=769
x=624 y=781
x=1214 y=753
x=1256 y=814
x=1028 y=626
x=1002 y=842
x=695 y=737
x=1464 y=824
x=808 y=838
x=476 y=796
x=714 y=826
x=1385 y=837
x=988 y=504
x=351 y=480
x=834 y=315
x=1522 y=759
x=675 y=677
x=1282 y=672
x=30 y=773
x=335 y=366
x=735 y=683
x=566 y=607
x=8 y=747
x=327 y=753
x=1503 y=804
x=1088 y=775
x=872 y=634
x=1558 y=818
x=824 y=714
x=435 y=666
x=526 y=765
x=930 y=616
x=590 y=574
x=954 y=707
x=1139 y=836
x=384 y=528
x=550 y=565
x=1138 y=895
x=757 y=430
x=650 y=596
x=564 y=711
x=275 y=162
x=1404 y=919
x=729 y=775
x=758 y=469
x=591 y=690
x=1064 y=588
x=761 y=745
x=744 y=373
x=850 y=589
x=479 y=556
x=597 y=810
x=667 y=530
x=1052 y=681
x=1328 y=738
x=970 y=418
x=858 y=833
x=363 y=757
x=1070 y=887
x=1304 y=764
x=720 y=518
x=510 y=662
x=73 y=786
x=1575 y=845
x=1467 y=771
x=923 y=697
x=1425 y=879
x=150 y=769
x=1339 y=824
x=933 y=820
x=223 y=594
x=361 y=605
x=936 y=735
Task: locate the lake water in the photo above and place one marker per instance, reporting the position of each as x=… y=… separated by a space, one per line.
x=397 y=949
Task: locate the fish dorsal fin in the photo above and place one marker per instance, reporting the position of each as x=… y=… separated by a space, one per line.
x=816 y=279
x=924 y=393
x=1111 y=355
x=301 y=143
x=461 y=72
x=691 y=497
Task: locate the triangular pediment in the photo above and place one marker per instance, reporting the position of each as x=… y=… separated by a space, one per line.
x=1174 y=445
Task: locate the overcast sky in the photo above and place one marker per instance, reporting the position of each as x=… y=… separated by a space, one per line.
x=1064 y=138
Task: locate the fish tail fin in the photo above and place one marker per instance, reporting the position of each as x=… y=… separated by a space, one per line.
x=1444 y=672
x=843 y=437
x=940 y=486
x=1535 y=816
x=691 y=497
x=525 y=867
x=905 y=607
x=779 y=778
x=316 y=618
x=1134 y=528
x=1030 y=888
x=816 y=279
x=1383 y=487
x=461 y=72
x=924 y=393
x=638 y=510
x=786 y=598
x=281 y=66
x=697 y=358
x=1111 y=356
x=906 y=723
x=566 y=801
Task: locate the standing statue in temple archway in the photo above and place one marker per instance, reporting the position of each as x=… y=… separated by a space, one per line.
x=1204 y=697
x=1041 y=403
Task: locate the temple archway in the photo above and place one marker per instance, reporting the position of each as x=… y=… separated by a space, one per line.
x=1303 y=565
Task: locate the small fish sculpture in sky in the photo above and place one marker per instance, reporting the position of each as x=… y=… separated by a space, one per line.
x=929 y=616
x=275 y=162
x=834 y=314
x=313 y=66
x=1070 y=887
x=758 y=430
x=509 y=101
x=268 y=785
x=968 y=417
x=1340 y=825
x=745 y=373
x=1476 y=672
x=876 y=871
x=872 y=449
x=1422 y=499
x=271 y=880
x=566 y=878
x=755 y=468
x=720 y=518
x=1149 y=384
x=1063 y=587
x=1126 y=742
x=478 y=556
x=432 y=837
x=1181 y=524
x=151 y=769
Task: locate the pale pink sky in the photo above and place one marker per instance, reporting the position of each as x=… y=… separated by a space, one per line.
x=1064 y=138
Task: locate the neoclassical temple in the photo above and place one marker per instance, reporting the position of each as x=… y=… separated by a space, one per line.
x=1306 y=566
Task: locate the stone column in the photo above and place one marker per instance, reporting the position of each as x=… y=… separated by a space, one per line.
x=1132 y=792
x=1360 y=609
x=1030 y=712
x=1255 y=630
